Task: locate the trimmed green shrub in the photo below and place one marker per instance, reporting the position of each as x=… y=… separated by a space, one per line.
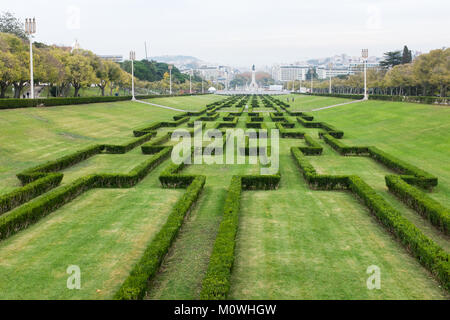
x=121 y=149
x=342 y=148
x=313 y=148
x=216 y=283
x=418 y=177
x=21 y=195
x=34 y=210
x=432 y=210
x=429 y=254
x=289 y=133
x=40 y=171
x=135 y=286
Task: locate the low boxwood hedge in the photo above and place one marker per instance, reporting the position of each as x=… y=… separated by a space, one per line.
x=216 y=283
x=432 y=210
x=136 y=284
x=36 y=188
x=20 y=218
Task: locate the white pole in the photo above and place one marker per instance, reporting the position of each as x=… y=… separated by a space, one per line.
x=132 y=79
x=31 y=68
x=365 y=80
x=170 y=71
x=132 y=57
x=190 y=82
x=330 y=81
x=312 y=83
x=365 y=55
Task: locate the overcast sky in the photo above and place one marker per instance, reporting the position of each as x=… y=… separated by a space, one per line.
x=240 y=32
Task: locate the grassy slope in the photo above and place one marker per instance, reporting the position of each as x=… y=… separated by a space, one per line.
x=32 y=136
x=416 y=133
x=104 y=232
x=308 y=103
x=295 y=243
x=189 y=103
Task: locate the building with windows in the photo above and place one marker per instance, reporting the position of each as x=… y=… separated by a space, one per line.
x=286 y=73
x=113 y=58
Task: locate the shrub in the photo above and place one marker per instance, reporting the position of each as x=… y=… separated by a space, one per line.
x=35 y=173
x=121 y=149
x=342 y=148
x=438 y=215
x=136 y=284
x=429 y=254
x=418 y=177
x=30 y=191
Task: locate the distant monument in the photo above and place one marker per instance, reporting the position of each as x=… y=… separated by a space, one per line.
x=254 y=85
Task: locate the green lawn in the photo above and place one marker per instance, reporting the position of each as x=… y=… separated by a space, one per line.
x=188 y=103
x=308 y=103
x=292 y=243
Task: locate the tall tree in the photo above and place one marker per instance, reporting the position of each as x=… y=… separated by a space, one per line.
x=10 y=24
x=407 y=56
x=391 y=59
x=81 y=73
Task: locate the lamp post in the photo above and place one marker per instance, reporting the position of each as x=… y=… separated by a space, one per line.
x=132 y=58
x=203 y=89
x=365 y=56
x=30 y=29
x=330 y=66
x=190 y=81
x=170 y=70
x=311 y=72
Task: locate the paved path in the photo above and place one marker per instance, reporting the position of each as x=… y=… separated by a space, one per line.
x=160 y=106
x=338 y=105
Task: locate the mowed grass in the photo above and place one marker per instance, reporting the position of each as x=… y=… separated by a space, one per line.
x=104 y=232
x=308 y=103
x=185 y=266
x=416 y=133
x=33 y=136
x=295 y=243
x=188 y=103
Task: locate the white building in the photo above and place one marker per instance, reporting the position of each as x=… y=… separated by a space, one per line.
x=325 y=73
x=289 y=72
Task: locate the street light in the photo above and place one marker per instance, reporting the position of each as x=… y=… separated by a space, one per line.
x=190 y=81
x=311 y=72
x=30 y=29
x=132 y=58
x=330 y=66
x=365 y=56
x=170 y=70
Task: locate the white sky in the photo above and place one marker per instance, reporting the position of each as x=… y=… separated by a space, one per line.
x=240 y=32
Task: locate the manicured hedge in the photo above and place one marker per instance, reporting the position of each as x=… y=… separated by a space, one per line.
x=33 y=211
x=342 y=148
x=413 y=99
x=437 y=214
x=121 y=149
x=50 y=102
x=135 y=286
x=417 y=177
x=40 y=171
x=21 y=195
x=313 y=148
x=216 y=283
x=289 y=133
x=429 y=254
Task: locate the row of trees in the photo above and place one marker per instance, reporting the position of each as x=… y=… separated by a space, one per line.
x=56 y=68
x=64 y=71
x=427 y=75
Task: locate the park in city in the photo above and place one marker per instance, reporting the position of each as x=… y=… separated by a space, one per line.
x=95 y=206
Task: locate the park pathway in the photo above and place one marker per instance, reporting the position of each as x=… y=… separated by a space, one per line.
x=160 y=106
x=338 y=105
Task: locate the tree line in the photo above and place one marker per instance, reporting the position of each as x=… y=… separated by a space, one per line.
x=426 y=75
